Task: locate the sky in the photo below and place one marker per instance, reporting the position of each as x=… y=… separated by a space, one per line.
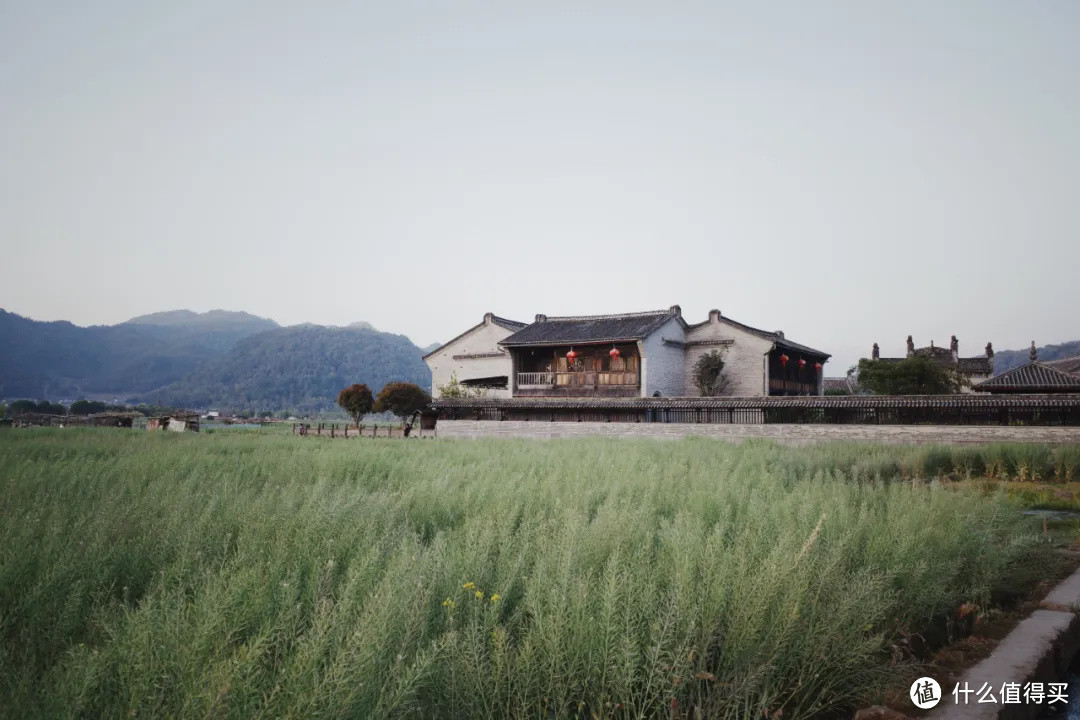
x=847 y=172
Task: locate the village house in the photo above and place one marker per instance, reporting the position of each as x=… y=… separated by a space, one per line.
x=1054 y=376
x=643 y=354
x=974 y=369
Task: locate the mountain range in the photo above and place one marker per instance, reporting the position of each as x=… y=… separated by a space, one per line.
x=216 y=359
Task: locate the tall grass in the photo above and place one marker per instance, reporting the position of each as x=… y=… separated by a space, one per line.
x=232 y=575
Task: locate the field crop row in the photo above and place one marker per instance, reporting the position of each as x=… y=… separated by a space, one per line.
x=236 y=575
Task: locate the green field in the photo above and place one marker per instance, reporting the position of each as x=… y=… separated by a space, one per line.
x=261 y=575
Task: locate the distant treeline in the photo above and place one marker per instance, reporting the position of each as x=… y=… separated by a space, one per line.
x=79 y=407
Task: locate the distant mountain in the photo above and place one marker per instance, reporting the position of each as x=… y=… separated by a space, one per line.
x=298 y=368
x=59 y=360
x=428 y=348
x=221 y=359
x=212 y=319
x=361 y=325
x=1005 y=360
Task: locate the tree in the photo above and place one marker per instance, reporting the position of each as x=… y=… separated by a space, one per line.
x=3 y=411
x=355 y=400
x=402 y=399
x=86 y=407
x=455 y=389
x=914 y=375
x=709 y=376
x=22 y=407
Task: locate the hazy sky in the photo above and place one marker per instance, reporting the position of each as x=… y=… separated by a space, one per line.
x=847 y=172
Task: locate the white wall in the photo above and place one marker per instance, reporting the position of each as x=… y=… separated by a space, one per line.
x=744 y=359
x=662 y=365
x=482 y=339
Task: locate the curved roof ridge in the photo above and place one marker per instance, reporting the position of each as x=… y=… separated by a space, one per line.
x=610 y=316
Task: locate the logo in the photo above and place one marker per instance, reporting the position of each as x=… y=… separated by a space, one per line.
x=925 y=693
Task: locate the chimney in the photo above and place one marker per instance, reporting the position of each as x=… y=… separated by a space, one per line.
x=714 y=316
x=675 y=310
x=954 y=347
x=1032 y=353
x=910 y=346
x=875 y=354
x=541 y=318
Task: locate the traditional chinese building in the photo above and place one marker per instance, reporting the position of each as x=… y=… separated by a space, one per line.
x=1055 y=376
x=643 y=354
x=975 y=369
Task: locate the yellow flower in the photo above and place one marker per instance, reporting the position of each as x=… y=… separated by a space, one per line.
x=468 y=586
x=494 y=597
x=479 y=595
x=448 y=603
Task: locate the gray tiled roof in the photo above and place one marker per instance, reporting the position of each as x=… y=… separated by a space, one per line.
x=1066 y=365
x=975 y=365
x=1033 y=377
x=776 y=338
x=835 y=383
x=590 y=328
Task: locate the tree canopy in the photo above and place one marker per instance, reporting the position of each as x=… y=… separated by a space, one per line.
x=355 y=400
x=402 y=399
x=709 y=376
x=911 y=376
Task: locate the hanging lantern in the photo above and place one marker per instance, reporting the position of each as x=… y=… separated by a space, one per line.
x=817 y=366
x=783 y=360
x=802 y=363
x=614 y=352
x=571 y=355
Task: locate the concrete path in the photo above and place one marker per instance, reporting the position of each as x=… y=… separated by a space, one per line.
x=1038 y=650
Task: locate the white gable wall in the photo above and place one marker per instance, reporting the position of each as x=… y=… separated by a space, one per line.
x=662 y=365
x=744 y=358
x=482 y=339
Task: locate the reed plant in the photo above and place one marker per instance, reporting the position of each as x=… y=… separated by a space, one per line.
x=234 y=575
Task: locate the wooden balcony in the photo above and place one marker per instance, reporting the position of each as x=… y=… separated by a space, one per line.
x=778 y=386
x=588 y=383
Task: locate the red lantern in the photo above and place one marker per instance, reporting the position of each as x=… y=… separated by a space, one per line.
x=802 y=363
x=571 y=355
x=614 y=353
x=817 y=366
x=783 y=360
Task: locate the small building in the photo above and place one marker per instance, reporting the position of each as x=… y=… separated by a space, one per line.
x=975 y=369
x=174 y=422
x=1036 y=377
x=642 y=354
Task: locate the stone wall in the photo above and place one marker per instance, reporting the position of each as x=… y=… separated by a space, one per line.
x=787 y=434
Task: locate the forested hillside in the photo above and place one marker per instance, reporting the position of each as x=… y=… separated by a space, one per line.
x=59 y=360
x=299 y=368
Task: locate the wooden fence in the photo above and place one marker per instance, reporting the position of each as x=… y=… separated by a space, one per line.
x=334 y=430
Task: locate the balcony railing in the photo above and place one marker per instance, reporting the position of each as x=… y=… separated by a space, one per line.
x=792 y=386
x=589 y=378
